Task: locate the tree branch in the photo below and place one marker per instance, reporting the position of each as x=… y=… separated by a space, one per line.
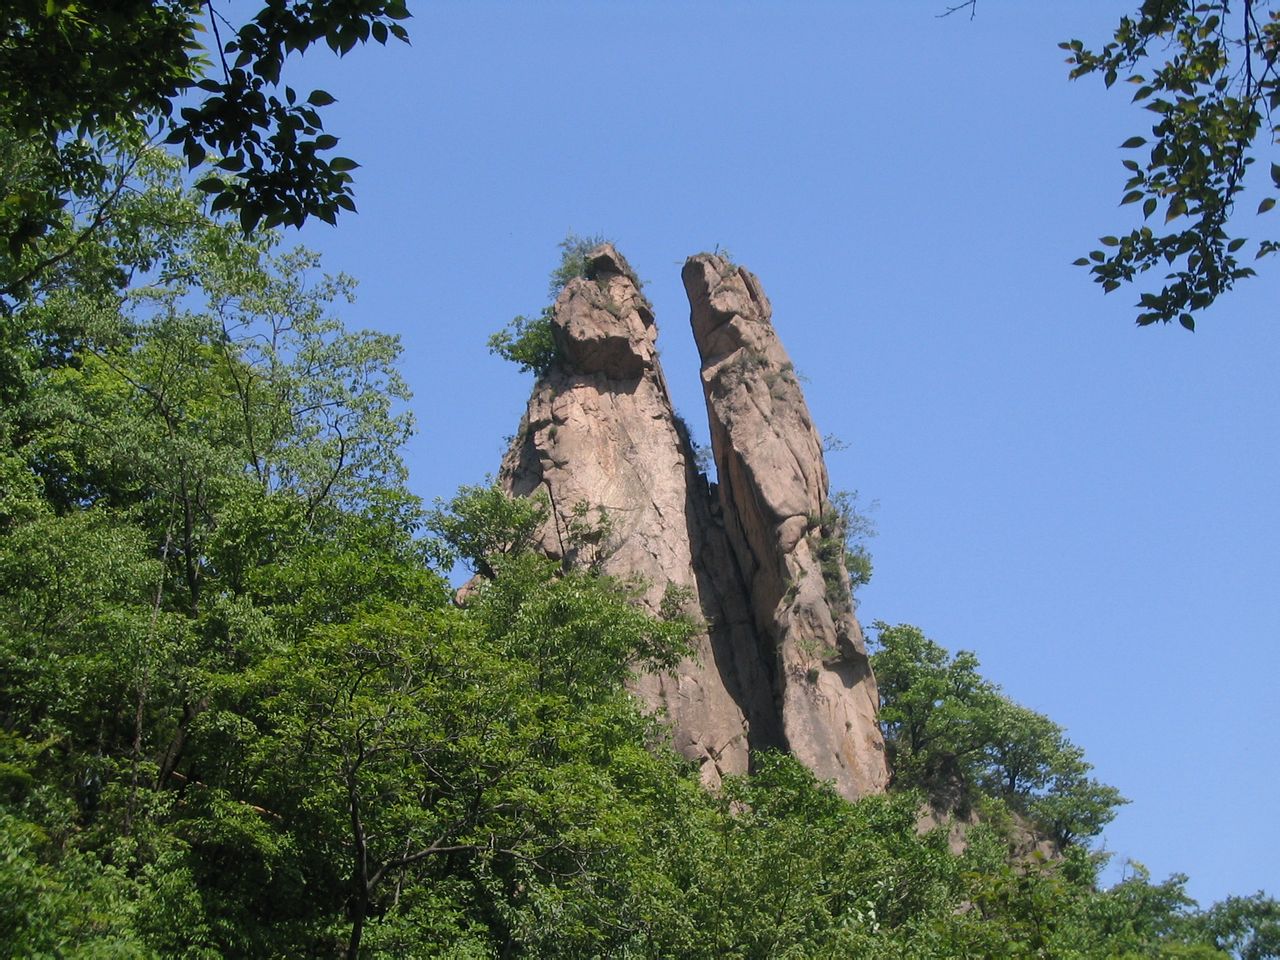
x=972 y=6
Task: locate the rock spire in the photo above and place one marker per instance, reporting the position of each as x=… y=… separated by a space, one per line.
x=780 y=662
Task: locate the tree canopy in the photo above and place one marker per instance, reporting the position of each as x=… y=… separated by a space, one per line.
x=242 y=715
x=242 y=712
x=84 y=86
x=957 y=737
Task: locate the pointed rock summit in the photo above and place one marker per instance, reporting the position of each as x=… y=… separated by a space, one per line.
x=786 y=534
x=780 y=661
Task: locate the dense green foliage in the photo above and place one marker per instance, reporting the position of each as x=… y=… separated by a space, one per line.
x=240 y=714
x=84 y=85
x=955 y=736
x=1207 y=71
x=528 y=343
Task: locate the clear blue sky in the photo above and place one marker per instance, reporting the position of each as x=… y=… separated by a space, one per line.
x=1089 y=506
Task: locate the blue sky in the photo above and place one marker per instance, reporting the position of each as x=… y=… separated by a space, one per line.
x=1089 y=506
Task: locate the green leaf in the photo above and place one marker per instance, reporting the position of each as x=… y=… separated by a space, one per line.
x=1131 y=197
x=320 y=98
x=249 y=217
x=1266 y=204
x=1133 y=142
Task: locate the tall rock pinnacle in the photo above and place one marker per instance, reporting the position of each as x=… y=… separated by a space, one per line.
x=601 y=440
x=784 y=530
x=780 y=661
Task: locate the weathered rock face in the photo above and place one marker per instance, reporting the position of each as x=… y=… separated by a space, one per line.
x=784 y=530
x=601 y=440
x=774 y=666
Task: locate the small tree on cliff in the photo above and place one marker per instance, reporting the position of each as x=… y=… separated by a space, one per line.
x=949 y=731
x=529 y=342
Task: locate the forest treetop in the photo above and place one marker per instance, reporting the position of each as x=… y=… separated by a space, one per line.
x=81 y=86
x=241 y=714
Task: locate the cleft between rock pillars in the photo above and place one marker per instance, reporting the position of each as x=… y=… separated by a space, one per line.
x=780 y=661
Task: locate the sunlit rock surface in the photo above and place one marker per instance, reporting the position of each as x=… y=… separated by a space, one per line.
x=777 y=663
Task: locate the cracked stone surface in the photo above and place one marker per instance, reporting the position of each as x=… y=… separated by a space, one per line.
x=773 y=492
x=775 y=665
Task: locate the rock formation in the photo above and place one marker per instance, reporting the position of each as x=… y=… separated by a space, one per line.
x=786 y=535
x=780 y=661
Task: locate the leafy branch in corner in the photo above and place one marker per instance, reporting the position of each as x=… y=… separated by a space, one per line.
x=1207 y=72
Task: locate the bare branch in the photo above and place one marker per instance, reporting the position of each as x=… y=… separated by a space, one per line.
x=972 y=6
